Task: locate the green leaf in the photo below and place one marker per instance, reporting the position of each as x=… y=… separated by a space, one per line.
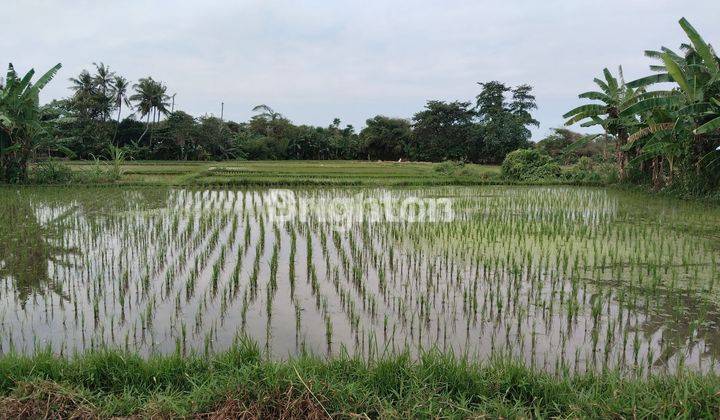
x=45 y=78
x=602 y=85
x=708 y=127
x=593 y=109
x=701 y=47
x=677 y=74
x=649 y=104
x=646 y=95
x=598 y=96
x=611 y=82
x=694 y=110
x=649 y=80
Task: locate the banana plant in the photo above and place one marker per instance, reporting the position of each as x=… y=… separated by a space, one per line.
x=612 y=95
x=694 y=101
x=22 y=129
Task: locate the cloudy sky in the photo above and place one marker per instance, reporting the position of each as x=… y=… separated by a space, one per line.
x=317 y=60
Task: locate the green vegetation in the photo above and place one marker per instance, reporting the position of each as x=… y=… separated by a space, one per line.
x=240 y=382
x=431 y=289
x=529 y=164
x=610 y=280
x=22 y=127
x=666 y=138
x=442 y=131
x=261 y=173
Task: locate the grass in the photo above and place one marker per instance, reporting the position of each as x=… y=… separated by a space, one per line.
x=295 y=173
x=240 y=382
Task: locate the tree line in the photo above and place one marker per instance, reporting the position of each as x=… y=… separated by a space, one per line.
x=89 y=124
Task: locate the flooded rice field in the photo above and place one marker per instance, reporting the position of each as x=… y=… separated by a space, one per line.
x=562 y=278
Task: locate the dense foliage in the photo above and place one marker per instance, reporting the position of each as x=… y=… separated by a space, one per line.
x=529 y=164
x=670 y=137
x=23 y=129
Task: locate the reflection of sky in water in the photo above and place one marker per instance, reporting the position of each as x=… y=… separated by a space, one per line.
x=564 y=278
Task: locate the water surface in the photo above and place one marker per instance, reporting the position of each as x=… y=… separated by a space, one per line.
x=562 y=278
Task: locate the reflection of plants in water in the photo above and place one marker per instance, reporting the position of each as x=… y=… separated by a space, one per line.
x=685 y=321
x=27 y=247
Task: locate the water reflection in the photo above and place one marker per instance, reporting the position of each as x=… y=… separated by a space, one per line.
x=29 y=247
x=562 y=278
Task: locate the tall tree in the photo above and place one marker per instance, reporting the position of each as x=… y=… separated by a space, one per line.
x=504 y=124
x=386 y=138
x=443 y=131
x=120 y=87
x=151 y=99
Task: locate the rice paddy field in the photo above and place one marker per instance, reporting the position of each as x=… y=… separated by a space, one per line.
x=291 y=173
x=562 y=279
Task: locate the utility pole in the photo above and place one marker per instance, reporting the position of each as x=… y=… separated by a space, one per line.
x=172 y=108
x=222 y=110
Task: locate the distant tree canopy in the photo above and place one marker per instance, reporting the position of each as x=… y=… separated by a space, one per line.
x=566 y=146
x=386 y=138
x=444 y=131
x=90 y=120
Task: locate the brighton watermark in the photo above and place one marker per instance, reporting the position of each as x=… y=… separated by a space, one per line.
x=345 y=211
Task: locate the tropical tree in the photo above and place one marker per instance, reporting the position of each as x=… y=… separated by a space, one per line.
x=266 y=112
x=22 y=129
x=443 y=131
x=103 y=81
x=505 y=114
x=683 y=122
x=613 y=96
x=151 y=100
x=386 y=138
x=119 y=93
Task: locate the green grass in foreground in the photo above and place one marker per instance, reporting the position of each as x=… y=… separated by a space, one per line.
x=240 y=382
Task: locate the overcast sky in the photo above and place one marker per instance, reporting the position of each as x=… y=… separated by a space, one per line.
x=317 y=60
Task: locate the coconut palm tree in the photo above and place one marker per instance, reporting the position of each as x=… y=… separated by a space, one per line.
x=120 y=87
x=103 y=80
x=151 y=98
x=266 y=112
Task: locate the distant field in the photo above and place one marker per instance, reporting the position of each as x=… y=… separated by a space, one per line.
x=296 y=173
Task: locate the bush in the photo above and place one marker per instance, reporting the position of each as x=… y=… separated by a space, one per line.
x=529 y=165
x=586 y=171
x=449 y=167
x=52 y=172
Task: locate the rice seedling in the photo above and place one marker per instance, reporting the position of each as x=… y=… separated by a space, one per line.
x=561 y=278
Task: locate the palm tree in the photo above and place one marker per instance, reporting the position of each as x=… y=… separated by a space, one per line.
x=103 y=79
x=266 y=112
x=268 y=116
x=151 y=98
x=22 y=129
x=613 y=96
x=119 y=93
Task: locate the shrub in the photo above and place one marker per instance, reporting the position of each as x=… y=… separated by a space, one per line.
x=448 y=167
x=587 y=171
x=529 y=165
x=52 y=172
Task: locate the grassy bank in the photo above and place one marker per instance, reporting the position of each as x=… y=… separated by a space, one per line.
x=241 y=382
